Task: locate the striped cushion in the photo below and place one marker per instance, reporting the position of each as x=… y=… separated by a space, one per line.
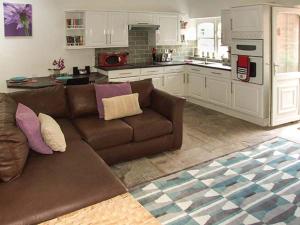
x=121 y=106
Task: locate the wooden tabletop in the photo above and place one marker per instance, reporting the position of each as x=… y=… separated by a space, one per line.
x=41 y=82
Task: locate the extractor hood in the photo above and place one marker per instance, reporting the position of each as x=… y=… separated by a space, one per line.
x=143 y=27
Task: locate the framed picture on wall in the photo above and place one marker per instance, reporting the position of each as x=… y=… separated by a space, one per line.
x=17 y=19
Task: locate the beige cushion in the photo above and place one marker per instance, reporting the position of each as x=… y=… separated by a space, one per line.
x=121 y=106
x=52 y=133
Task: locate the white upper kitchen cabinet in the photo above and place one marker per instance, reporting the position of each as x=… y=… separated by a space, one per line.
x=96 y=28
x=226 y=21
x=106 y=29
x=248 y=22
x=218 y=91
x=168 y=33
x=118 y=29
x=140 y=18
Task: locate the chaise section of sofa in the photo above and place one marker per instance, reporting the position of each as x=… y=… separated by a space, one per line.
x=51 y=186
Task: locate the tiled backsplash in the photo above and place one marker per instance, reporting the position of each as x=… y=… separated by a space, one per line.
x=140 y=51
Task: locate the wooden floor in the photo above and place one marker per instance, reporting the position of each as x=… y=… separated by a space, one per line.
x=207 y=135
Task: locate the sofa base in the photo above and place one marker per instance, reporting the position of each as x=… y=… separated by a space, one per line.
x=136 y=150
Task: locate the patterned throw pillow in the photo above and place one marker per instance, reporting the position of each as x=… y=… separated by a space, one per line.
x=52 y=133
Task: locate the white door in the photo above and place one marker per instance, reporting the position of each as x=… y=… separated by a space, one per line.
x=226 y=27
x=168 y=33
x=118 y=29
x=96 y=29
x=218 y=91
x=196 y=86
x=286 y=73
x=174 y=83
x=248 y=98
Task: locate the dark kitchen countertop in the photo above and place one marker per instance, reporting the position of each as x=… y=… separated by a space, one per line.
x=162 y=64
x=42 y=82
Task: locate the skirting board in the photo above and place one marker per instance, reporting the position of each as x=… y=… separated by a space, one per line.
x=230 y=112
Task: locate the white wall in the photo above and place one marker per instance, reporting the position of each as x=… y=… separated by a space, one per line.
x=212 y=8
x=32 y=56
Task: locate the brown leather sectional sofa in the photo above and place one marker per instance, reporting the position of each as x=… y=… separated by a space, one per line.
x=54 y=185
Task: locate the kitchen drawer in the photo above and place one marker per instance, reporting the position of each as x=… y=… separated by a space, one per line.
x=174 y=69
x=218 y=73
x=152 y=71
x=195 y=69
x=124 y=73
x=124 y=79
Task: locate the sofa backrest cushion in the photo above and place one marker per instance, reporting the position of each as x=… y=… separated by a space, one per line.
x=51 y=100
x=144 y=88
x=82 y=100
x=13 y=143
x=109 y=91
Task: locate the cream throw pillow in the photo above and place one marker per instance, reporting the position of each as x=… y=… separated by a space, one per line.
x=52 y=134
x=121 y=106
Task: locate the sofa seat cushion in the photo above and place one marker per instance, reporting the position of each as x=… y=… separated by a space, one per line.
x=102 y=134
x=148 y=125
x=68 y=129
x=54 y=185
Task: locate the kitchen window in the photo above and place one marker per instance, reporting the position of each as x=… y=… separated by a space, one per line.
x=209 y=38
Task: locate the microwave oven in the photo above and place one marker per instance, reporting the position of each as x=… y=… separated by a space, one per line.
x=113 y=59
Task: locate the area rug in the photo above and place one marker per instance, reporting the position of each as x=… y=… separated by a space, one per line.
x=259 y=185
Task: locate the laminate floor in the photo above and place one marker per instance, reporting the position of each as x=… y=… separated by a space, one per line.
x=207 y=135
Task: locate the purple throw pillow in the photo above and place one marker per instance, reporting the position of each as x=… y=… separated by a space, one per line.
x=109 y=91
x=29 y=123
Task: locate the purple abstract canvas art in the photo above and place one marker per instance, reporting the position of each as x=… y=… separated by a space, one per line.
x=17 y=19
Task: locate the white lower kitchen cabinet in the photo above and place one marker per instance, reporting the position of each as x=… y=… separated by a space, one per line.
x=248 y=98
x=218 y=91
x=174 y=83
x=196 y=86
x=157 y=80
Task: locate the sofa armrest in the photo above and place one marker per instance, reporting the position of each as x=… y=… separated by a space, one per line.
x=170 y=107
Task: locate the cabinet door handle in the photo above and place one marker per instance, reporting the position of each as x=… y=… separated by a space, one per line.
x=196 y=70
x=110 y=38
x=216 y=73
x=205 y=82
x=231 y=87
x=231 y=24
x=153 y=71
x=188 y=78
x=125 y=73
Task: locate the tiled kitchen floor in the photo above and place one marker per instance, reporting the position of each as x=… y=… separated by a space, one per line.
x=207 y=135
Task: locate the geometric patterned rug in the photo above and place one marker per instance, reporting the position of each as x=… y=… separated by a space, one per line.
x=260 y=185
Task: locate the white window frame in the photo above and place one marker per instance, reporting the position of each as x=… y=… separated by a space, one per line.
x=216 y=21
